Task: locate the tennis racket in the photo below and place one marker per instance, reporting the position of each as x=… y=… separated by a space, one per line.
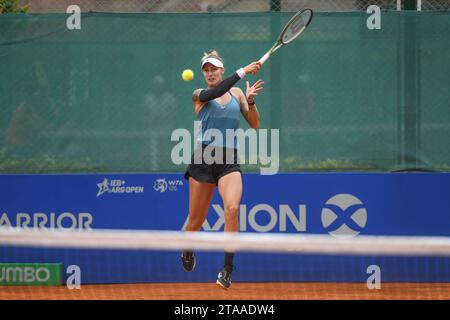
x=295 y=27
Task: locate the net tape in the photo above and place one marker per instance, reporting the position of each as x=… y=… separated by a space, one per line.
x=208 y=241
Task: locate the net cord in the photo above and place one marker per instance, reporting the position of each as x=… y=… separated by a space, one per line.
x=212 y=241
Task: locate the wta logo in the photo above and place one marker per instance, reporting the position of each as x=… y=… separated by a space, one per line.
x=162 y=185
x=344 y=216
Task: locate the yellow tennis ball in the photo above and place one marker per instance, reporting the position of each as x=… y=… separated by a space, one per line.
x=187 y=75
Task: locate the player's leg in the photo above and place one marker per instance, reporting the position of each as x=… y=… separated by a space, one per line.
x=200 y=195
x=230 y=189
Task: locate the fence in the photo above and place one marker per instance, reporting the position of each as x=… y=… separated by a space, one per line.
x=108 y=96
x=227 y=5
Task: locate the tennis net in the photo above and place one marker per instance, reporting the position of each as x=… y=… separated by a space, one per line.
x=135 y=264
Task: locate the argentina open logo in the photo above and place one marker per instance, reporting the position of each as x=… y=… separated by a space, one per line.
x=344 y=215
x=117 y=186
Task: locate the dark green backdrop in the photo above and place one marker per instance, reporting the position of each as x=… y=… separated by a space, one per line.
x=107 y=97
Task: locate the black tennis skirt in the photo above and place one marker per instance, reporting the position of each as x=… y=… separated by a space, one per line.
x=210 y=164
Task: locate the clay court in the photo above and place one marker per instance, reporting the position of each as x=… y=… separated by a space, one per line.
x=240 y=291
x=345 y=161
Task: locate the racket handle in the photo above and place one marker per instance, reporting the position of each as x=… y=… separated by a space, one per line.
x=264 y=58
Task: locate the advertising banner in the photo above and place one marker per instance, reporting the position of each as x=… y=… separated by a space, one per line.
x=339 y=204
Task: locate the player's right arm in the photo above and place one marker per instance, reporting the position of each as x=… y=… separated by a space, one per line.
x=209 y=94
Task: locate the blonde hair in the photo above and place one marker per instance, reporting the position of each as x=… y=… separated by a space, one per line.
x=211 y=54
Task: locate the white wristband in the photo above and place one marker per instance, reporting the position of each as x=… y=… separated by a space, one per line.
x=241 y=72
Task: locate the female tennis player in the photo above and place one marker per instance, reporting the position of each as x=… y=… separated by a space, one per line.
x=218 y=108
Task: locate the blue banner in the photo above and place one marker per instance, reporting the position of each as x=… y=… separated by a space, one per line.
x=340 y=204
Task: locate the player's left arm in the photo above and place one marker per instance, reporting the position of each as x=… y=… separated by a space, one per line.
x=248 y=105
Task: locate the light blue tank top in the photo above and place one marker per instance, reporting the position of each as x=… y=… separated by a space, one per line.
x=214 y=115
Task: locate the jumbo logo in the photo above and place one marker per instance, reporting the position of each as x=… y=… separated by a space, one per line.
x=24 y=274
